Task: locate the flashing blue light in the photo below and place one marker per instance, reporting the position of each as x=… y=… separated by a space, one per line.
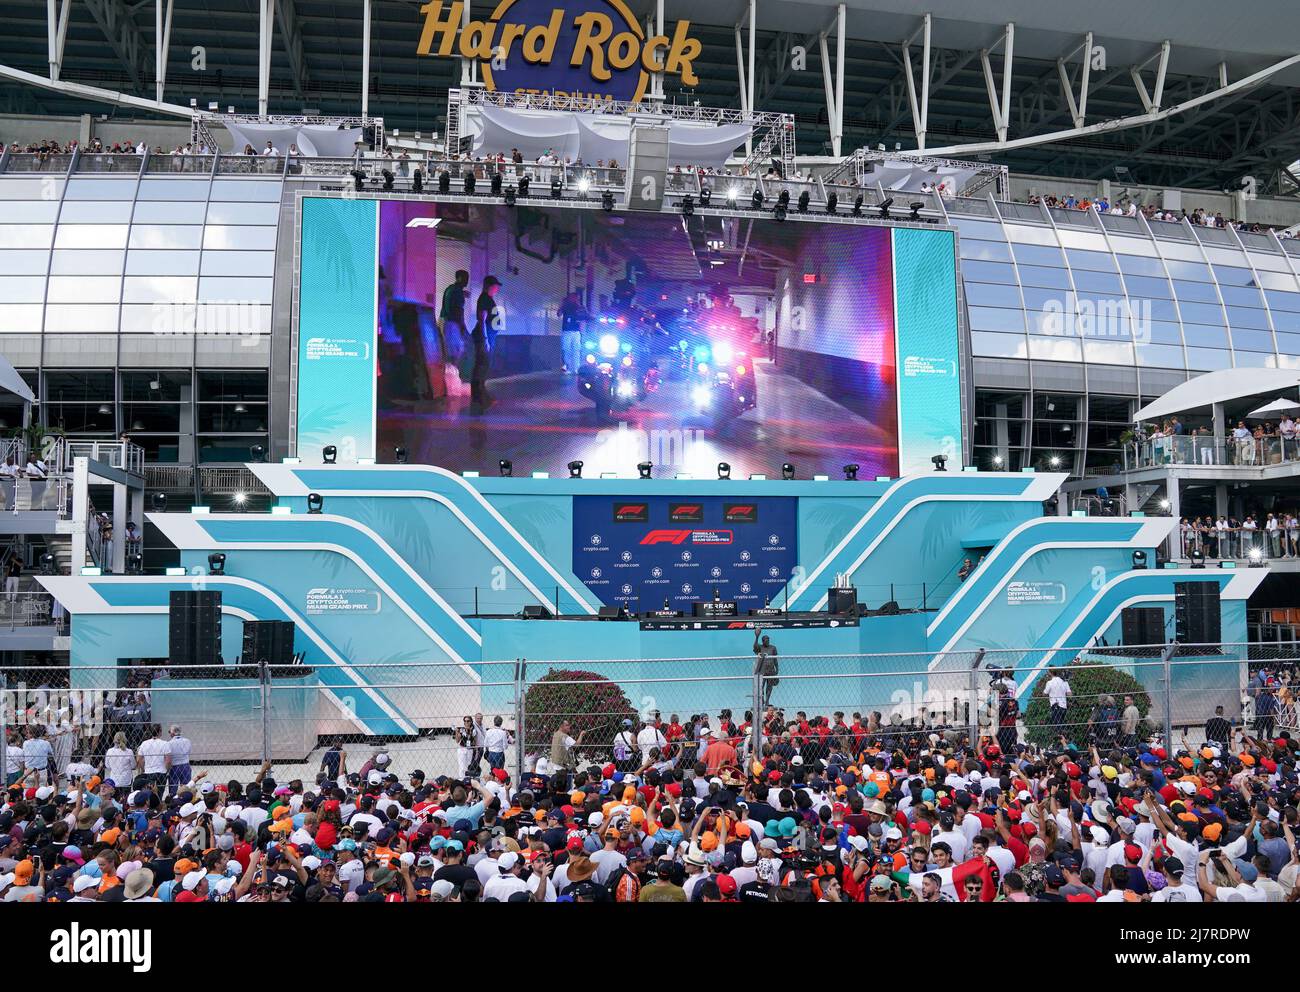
x=702 y=353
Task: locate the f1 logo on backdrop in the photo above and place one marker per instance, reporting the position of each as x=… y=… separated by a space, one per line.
x=631 y=513
x=686 y=513
x=424 y=222
x=740 y=513
x=667 y=535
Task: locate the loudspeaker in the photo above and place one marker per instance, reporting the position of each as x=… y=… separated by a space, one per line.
x=889 y=609
x=1142 y=625
x=194 y=628
x=841 y=599
x=533 y=611
x=1196 y=612
x=609 y=613
x=268 y=640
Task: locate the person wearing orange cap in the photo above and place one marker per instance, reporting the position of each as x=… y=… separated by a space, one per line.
x=28 y=883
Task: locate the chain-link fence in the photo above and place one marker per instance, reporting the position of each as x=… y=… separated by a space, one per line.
x=526 y=717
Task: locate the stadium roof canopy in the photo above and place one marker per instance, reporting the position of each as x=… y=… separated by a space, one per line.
x=1180 y=50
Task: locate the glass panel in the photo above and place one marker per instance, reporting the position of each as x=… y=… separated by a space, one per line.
x=990 y=294
x=78 y=387
x=20 y=318
x=1208 y=359
x=1108 y=352
x=1255 y=360
x=983 y=230
x=1283 y=283
x=1159 y=356
x=220 y=237
x=152 y=387
x=173 y=189
x=1204 y=336
x=1155 y=331
x=1148 y=286
x=213 y=289
x=1039 y=255
x=1187 y=270
x=1097 y=282
x=158 y=289
x=1201 y=313
x=1228 y=275
x=170 y=213
x=161 y=319
x=80 y=188
x=102 y=262
x=24 y=263
x=243 y=213
x=1195 y=292
x=998 y=345
x=1246 y=317
x=1252 y=340
x=85 y=289
x=1141 y=265
x=31 y=189
x=26 y=235
x=973 y=271
x=81 y=318
x=1242 y=296
x=993 y=251
x=1054 y=349
x=166 y=237
x=1088 y=241
x=96 y=212
x=1038 y=275
x=1285 y=320
x=1093 y=260
x=33 y=212
x=1039 y=299
x=988 y=319
x=259 y=190
x=240 y=319
x=1031 y=235
x=1289 y=344
x=239 y=263
x=163 y=263
x=91 y=236
x=233 y=386
x=22 y=289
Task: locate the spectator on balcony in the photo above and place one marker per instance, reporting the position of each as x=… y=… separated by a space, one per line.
x=270 y=151
x=13 y=572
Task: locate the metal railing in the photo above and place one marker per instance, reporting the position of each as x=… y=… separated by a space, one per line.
x=817 y=704
x=170 y=164
x=1203 y=449
x=116 y=454
x=1260 y=543
x=30 y=608
x=120 y=162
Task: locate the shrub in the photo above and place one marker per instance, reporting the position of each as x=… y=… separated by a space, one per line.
x=592 y=702
x=1088 y=682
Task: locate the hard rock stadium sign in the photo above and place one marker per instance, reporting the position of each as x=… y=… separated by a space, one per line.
x=590 y=48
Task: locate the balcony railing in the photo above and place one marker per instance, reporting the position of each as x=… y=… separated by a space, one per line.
x=1203 y=449
x=1259 y=543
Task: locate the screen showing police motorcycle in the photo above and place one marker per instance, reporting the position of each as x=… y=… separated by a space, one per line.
x=548 y=335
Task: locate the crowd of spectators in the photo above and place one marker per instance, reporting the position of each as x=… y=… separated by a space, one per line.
x=1128 y=207
x=824 y=812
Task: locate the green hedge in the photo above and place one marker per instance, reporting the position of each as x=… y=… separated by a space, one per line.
x=1089 y=680
x=594 y=704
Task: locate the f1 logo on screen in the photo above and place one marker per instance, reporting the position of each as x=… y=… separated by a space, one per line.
x=730 y=553
x=424 y=222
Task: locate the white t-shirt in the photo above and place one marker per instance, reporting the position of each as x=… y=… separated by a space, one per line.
x=496 y=739
x=648 y=738
x=1114 y=895
x=181 y=748
x=956 y=840
x=155 y=752
x=504 y=886
x=1177 y=893
x=1058 y=691
x=119 y=765
x=607 y=862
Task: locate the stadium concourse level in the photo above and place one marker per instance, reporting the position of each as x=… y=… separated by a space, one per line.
x=827 y=812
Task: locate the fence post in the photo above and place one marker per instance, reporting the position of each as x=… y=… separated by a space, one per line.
x=521 y=666
x=264 y=677
x=4 y=732
x=972 y=707
x=1166 y=659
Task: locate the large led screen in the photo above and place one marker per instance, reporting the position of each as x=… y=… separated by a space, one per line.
x=544 y=335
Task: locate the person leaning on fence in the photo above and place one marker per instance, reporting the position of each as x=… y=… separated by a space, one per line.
x=767 y=665
x=562 y=755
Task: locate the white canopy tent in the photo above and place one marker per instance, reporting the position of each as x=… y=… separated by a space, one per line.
x=1274 y=409
x=1224 y=386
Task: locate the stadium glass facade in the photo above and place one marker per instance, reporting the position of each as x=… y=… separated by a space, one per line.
x=151 y=302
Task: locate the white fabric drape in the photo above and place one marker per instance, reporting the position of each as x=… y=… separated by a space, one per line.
x=312 y=139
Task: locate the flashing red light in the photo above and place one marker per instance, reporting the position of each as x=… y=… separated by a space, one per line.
x=809 y=278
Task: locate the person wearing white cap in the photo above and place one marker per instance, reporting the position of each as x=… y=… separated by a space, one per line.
x=507 y=881
x=85 y=889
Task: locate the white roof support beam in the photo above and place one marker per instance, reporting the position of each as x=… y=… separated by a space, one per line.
x=57 y=27
x=265 y=31
x=834 y=89
x=1079 y=107
x=365 y=56
x=1000 y=108
x=1121 y=123
x=162 y=42
x=123 y=36
x=920 y=107
x=746 y=70
x=1151 y=100
x=292 y=37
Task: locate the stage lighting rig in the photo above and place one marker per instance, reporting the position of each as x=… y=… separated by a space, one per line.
x=787 y=471
x=399 y=456
x=497 y=183
x=643 y=469
x=506 y=467
x=884 y=208
x=851 y=471
x=358 y=180
x=857 y=206
x=916 y=210
x=556 y=187
x=688 y=205
x=444 y=181
x=315 y=503
x=832 y=201
x=417 y=181
x=159 y=501
x=469 y=182
x=803 y=202
x=706 y=195
x=510 y=196
x=724 y=470
x=607 y=200
x=217 y=563
x=257 y=453
x=756 y=200
x=329 y=454
x=575 y=470
x=524 y=183
x=388 y=180
x=940 y=462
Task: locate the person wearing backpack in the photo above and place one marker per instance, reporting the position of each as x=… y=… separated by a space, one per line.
x=625 y=748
